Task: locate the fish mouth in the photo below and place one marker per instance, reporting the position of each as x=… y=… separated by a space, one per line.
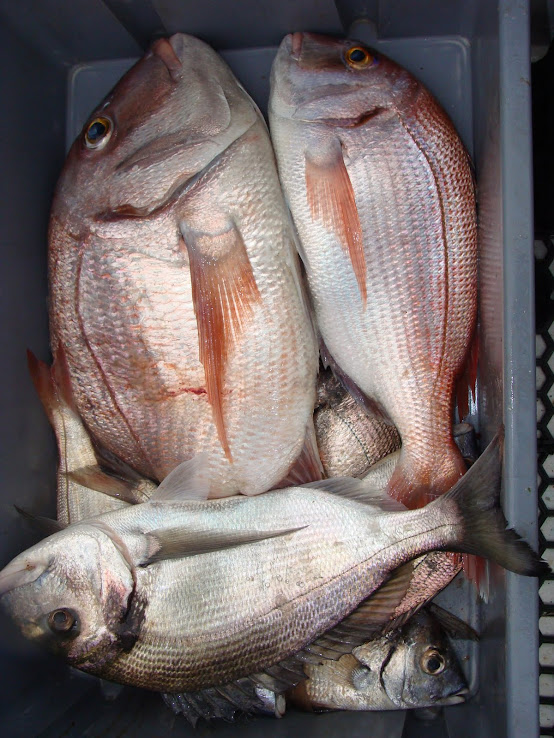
x=455 y=699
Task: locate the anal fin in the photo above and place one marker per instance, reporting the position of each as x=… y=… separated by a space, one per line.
x=307 y=467
x=224 y=291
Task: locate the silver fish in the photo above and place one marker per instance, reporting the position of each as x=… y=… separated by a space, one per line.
x=414 y=666
x=349 y=440
x=175 y=292
x=185 y=596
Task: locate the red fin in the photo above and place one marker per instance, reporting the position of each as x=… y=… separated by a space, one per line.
x=467 y=381
x=331 y=200
x=42 y=379
x=307 y=467
x=223 y=292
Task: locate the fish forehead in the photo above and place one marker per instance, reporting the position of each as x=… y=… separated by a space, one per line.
x=317 y=83
x=158 y=118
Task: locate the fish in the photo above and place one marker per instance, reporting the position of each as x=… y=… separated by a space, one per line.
x=190 y=596
x=85 y=488
x=348 y=439
x=382 y=194
x=174 y=282
x=412 y=667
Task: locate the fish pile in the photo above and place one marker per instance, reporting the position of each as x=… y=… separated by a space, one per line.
x=217 y=540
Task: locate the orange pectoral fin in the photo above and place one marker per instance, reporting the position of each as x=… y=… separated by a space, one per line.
x=224 y=291
x=331 y=200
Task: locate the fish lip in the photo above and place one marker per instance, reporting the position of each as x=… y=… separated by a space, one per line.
x=455 y=699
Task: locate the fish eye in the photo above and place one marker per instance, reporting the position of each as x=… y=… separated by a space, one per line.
x=358 y=57
x=98 y=132
x=64 y=621
x=432 y=662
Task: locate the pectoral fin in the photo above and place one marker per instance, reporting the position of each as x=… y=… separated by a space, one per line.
x=224 y=291
x=331 y=200
x=173 y=543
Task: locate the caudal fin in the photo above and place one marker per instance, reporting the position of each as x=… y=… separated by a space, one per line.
x=476 y=497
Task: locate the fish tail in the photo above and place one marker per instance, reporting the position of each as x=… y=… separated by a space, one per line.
x=482 y=526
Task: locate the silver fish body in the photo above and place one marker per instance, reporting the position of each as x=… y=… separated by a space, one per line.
x=349 y=440
x=181 y=596
x=174 y=284
x=410 y=668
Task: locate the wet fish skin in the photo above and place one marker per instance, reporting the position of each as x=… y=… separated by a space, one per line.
x=349 y=441
x=223 y=612
x=388 y=673
x=174 y=283
x=381 y=192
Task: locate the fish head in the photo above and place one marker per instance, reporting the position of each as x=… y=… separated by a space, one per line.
x=70 y=594
x=338 y=83
x=420 y=668
x=170 y=115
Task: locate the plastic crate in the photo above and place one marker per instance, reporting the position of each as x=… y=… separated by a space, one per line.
x=59 y=59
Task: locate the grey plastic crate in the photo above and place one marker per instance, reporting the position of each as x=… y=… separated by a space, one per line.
x=59 y=59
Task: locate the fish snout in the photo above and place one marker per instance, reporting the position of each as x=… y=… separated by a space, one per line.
x=296 y=44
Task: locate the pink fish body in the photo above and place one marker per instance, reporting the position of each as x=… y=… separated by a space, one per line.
x=174 y=284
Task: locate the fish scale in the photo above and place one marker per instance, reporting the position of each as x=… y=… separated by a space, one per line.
x=174 y=283
x=414 y=199
x=183 y=596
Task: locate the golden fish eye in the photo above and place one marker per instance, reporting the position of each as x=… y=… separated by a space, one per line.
x=98 y=132
x=62 y=620
x=358 y=57
x=432 y=662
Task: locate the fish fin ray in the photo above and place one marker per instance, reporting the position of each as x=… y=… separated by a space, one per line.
x=331 y=200
x=173 y=543
x=370 y=618
x=224 y=291
x=190 y=480
x=94 y=477
x=307 y=467
x=41 y=376
x=46 y=526
x=484 y=531
x=454 y=626
x=358 y=490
